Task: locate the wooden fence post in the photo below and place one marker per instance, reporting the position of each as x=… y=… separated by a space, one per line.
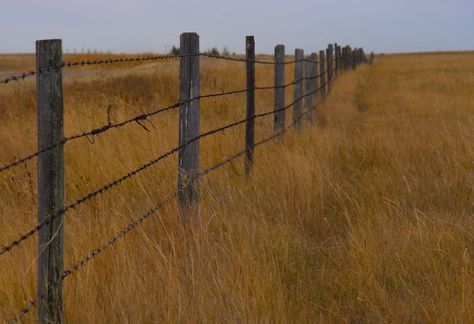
x=250 y=124
x=353 y=58
x=329 y=65
x=298 y=89
x=322 y=74
x=315 y=59
x=189 y=121
x=372 y=56
x=348 y=57
x=279 y=94
x=344 y=54
x=50 y=180
x=310 y=72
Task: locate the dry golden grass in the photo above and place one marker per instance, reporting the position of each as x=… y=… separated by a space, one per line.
x=367 y=218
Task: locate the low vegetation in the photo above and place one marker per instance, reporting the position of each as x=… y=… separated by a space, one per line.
x=366 y=215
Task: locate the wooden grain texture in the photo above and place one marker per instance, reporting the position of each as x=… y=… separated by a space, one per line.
x=298 y=88
x=279 y=94
x=250 y=124
x=189 y=121
x=50 y=181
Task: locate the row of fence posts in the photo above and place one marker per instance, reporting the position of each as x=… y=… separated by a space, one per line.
x=50 y=131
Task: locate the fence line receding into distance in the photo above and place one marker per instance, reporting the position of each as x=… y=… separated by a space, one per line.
x=313 y=80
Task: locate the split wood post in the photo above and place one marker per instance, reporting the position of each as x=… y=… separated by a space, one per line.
x=279 y=94
x=50 y=181
x=322 y=74
x=250 y=124
x=189 y=122
x=336 y=58
x=311 y=72
x=298 y=88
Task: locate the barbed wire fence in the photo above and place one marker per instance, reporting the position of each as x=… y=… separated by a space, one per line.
x=314 y=76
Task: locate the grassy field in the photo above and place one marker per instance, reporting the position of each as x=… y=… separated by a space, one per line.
x=365 y=216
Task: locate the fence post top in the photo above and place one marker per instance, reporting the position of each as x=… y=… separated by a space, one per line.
x=280 y=46
x=49 y=40
x=189 y=34
x=299 y=51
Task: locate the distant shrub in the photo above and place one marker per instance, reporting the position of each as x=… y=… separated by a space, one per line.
x=174 y=51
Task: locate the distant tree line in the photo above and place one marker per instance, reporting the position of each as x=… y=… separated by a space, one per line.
x=213 y=51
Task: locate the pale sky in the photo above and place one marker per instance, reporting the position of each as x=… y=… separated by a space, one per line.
x=155 y=25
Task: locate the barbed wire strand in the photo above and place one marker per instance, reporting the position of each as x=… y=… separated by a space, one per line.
x=109 y=60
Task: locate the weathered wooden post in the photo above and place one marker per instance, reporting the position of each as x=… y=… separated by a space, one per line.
x=279 y=94
x=372 y=56
x=329 y=66
x=336 y=59
x=310 y=72
x=189 y=121
x=298 y=88
x=353 y=58
x=50 y=180
x=314 y=57
x=250 y=124
x=344 y=54
x=322 y=74
x=348 y=57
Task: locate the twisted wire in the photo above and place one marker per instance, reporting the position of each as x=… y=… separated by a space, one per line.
x=109 y=60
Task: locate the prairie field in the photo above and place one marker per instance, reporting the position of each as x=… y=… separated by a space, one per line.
x=365 y=215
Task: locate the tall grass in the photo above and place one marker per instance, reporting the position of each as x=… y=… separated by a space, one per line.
x=365 y=217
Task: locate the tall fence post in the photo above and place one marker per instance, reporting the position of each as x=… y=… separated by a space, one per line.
x=298 y=89
x=336 y=59
x=322 y=74
x=189 y=121
x=353 y=58
x=279 y=95
x=50 y=181
x=250 y=124
x=330 y=63
x=344 y=58
x=315 y=69
x=310 y=74
x=372 y=56
x=348 y=57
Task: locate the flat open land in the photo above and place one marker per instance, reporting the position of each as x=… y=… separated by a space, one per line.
x=364 y=216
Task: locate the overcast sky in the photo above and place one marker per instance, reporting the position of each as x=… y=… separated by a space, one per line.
x=155 y=25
